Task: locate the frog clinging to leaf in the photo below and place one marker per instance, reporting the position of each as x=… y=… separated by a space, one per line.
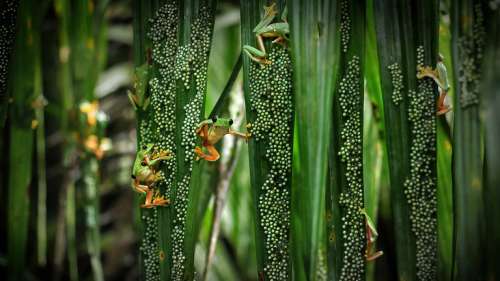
x=211 y=131
x=440 y=76
x=145 y=174
x=266 y=28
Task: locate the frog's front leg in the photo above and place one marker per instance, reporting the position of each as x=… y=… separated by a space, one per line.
x=245 y=136
x=157 y=157
x=427 y=71
x=160 y=156
x=439 y=76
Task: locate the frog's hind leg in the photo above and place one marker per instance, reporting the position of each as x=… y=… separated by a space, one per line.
x=442 y=108
x=149 y=197
x=213 y=154
x=256 y=55
x=369 y=244
x=139 y=187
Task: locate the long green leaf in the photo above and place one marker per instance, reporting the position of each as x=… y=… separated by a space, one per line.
x=21 y=113
x=407 y=37
x=313 y=32
x=444 y=155
x=269 y=108
x=374 y=158
x=490 y=86
x=177 y=89
x=8 y=14
x=468 y=44
x=345 y=198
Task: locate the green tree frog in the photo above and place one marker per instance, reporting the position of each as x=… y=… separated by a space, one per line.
x=371 y=237
x=440 y=77
x=210 y=132
x=265 y=29
x=145 y=174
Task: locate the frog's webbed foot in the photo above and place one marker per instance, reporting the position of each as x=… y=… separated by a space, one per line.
x=160 y=200
x=154 y=199
x=374 y=256
x=199 y=153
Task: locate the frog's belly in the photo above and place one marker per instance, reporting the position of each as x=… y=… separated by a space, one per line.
x=146 y=179
x=213 y=139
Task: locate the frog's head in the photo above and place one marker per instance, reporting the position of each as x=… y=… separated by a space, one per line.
x=146 y=149
x=222 y=122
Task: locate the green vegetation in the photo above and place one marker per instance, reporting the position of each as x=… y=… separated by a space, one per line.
x=468 y=47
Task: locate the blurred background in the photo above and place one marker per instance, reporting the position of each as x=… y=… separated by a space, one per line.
x=118 y=206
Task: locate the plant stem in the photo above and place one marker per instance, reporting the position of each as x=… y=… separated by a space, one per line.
x=21 y=114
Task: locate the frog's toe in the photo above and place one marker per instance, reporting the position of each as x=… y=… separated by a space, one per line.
x=161 y=202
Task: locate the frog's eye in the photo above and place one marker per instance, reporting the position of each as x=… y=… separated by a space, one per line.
x=230 y=122
x=214 y=119
x=143 y=163
x=144 y=147
x=133 y=177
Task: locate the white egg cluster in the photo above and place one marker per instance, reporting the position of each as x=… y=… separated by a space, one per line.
x=322 y=267
x=150 y=248
x=163 y=35
x=420 y=186
x=7 y=35
x=345 y=25
x=471 y=49
x=157 y=124
x=271 y=100
x=397 y=83
x=351 y=155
